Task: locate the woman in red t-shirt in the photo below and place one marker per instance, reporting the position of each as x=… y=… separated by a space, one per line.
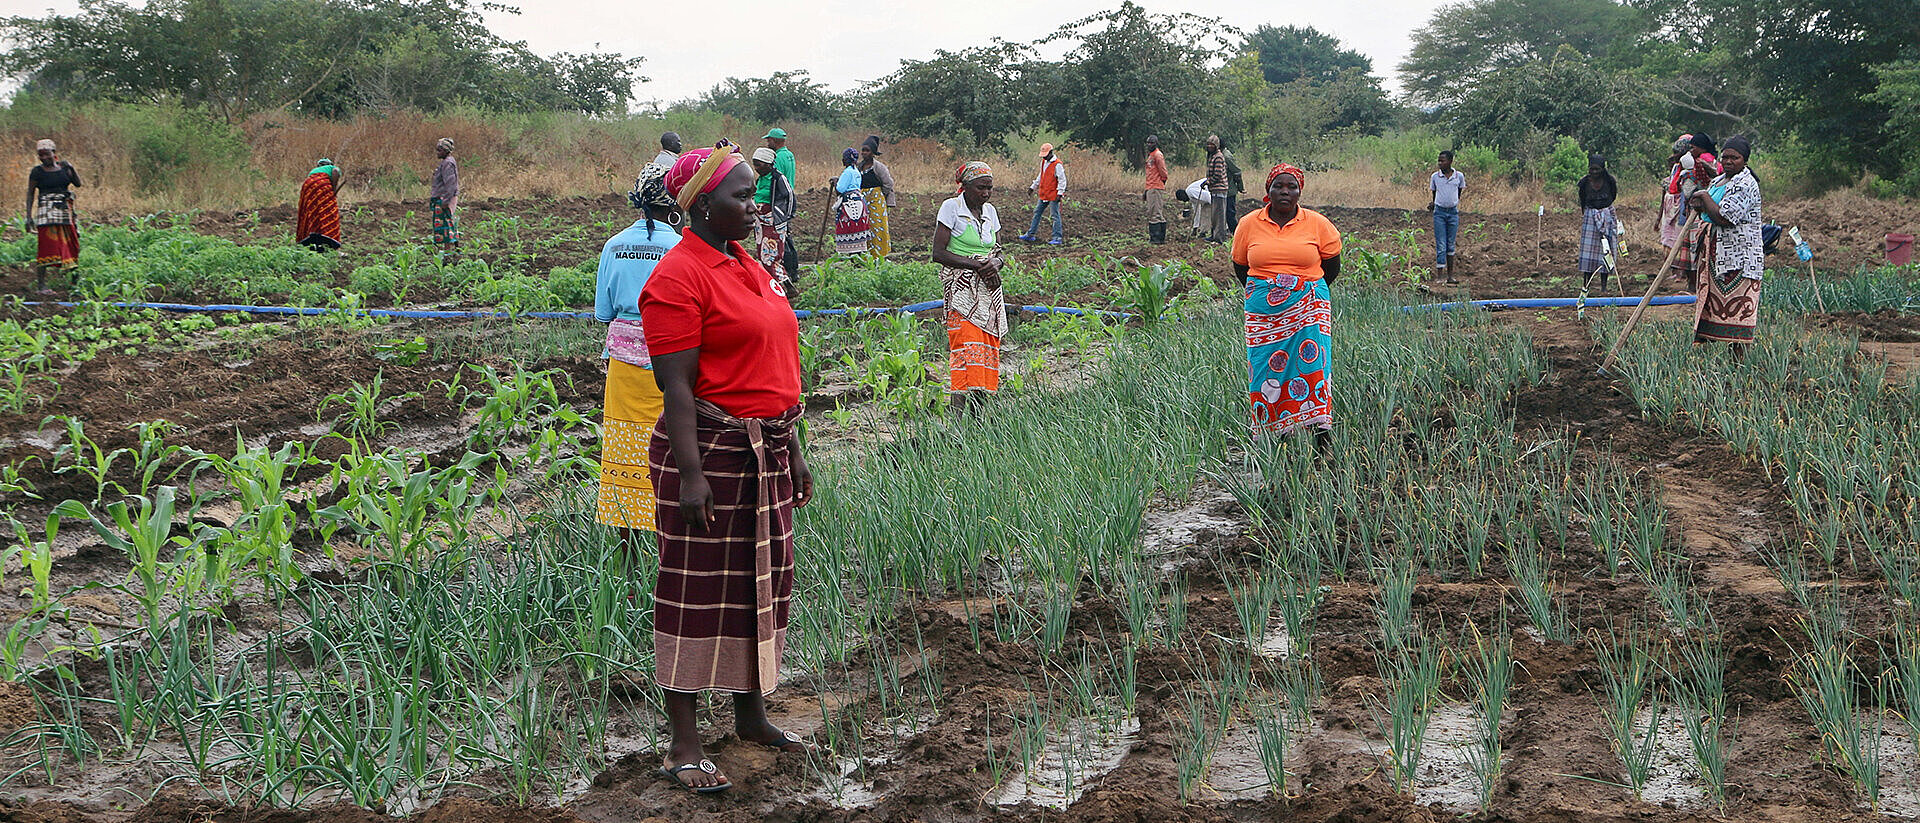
x=726 y=463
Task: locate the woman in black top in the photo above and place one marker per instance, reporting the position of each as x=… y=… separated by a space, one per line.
x=50 y=210
x=1599 y=231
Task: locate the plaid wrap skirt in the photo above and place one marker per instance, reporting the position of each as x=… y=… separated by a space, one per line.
x=721 y=597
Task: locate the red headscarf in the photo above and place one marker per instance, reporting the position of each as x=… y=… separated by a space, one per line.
x=703 y=169
x=971 y=171
x=1281 y=169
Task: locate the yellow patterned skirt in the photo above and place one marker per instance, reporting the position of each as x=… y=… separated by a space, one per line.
x=882 y=243
x=633 y=405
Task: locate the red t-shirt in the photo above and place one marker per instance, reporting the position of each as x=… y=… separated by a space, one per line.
x=739 y=318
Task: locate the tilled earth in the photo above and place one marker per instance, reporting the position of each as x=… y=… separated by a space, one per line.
x=1561 y=764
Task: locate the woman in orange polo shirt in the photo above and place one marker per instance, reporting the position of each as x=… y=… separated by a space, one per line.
x=1286 y=256
x=726 y=464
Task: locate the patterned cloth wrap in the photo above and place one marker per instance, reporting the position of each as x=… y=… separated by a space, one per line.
x=882 y=242
x=445 y=231
x=1596 y=225
x=851 y=229
x=627 y=343
x=54 y=209
x=1289 y=339
x=721 y=598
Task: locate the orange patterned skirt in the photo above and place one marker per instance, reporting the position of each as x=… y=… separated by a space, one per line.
x=973 y=356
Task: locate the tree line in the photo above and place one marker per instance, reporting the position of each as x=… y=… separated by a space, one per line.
x=330 y=58
x=1829 y=88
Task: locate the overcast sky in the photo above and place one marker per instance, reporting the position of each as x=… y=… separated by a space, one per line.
x=844 y=43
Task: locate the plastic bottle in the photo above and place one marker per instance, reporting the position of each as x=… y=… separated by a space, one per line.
x=1800 y=246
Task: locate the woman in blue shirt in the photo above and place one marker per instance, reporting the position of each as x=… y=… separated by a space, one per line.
x=633 y=400
x=851 y=228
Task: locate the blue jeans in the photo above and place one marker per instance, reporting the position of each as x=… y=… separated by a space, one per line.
x=1058 y=227
x=1446 y=228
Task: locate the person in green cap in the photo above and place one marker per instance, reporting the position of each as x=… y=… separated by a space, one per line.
x=783 y=163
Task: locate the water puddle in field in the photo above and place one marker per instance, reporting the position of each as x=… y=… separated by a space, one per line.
x=1672 y=779
x=852 y=781
x=1899 y=768
x=1277 y=644
x=1445 y=775
x=1066 y=767
x=1211 y=517
x=1238 y=772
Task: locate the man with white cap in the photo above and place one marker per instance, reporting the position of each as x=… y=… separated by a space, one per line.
x=1050 y=185
x=774 y=202
x=783 y=162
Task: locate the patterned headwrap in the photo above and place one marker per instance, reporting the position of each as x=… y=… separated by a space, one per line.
x=650 y=190
x=45 y=145
x=849 y=157
x=971 y=172
x=445 y=143
x=1283 y=168
x=699 y=171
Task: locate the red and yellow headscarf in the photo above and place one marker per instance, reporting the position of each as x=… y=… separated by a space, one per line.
x=971 y=172
x=1283 y=168
x=700 y=171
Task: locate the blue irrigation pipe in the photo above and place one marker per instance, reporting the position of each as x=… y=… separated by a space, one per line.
x=1553 y=303
x=436 y=314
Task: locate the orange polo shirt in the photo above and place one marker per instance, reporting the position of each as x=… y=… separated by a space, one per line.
x=1156 y=170
x=1295 y=248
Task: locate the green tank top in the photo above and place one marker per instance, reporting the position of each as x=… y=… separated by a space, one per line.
x=969 y=243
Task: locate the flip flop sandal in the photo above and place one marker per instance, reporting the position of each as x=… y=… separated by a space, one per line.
x=787 y=739
x=704 y=765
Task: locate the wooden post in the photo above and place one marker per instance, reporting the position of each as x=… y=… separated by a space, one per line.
x=826 y=214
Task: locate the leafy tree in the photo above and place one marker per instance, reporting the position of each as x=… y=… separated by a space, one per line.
x=1522 y=109
x=1465 y=44
x=1291 y=53
x=970 y=98
x=1897 y=87
x=1809 y=59
x=238 y=57
x=785 y=96
x=1138 y=74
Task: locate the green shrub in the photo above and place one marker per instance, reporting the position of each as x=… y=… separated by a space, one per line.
x=572 y=286
x=1486 y=163
x=377 y=279
x=19 y=251
x=185 y=265
x=839 y=282
x=1565 y=166
x=514 y=293
x=164 y=140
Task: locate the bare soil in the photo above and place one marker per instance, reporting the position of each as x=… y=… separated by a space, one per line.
x=1721 y=502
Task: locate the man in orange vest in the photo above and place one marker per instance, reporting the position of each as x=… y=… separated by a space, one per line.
x=1051 y=186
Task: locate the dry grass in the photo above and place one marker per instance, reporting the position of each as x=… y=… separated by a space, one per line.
x=389 y=157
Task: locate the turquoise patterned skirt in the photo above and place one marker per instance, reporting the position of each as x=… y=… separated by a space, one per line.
x=1289 y=337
